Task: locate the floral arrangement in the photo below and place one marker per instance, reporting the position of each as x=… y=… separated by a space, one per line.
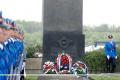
x=63 y=65
x=79 y=68
x=49 y=68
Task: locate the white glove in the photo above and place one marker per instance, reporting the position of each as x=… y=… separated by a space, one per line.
x=115 y=57
x=1 y=46
x=108 y=57
x=23 y=65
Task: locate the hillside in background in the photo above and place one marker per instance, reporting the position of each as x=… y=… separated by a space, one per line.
x=100 y=33
x=33 y=32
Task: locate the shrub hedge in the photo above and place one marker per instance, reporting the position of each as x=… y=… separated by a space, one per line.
x=96 y=61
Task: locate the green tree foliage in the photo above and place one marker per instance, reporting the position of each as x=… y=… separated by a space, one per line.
x=33 y=49
x=101 y=28
x=100 y=33
x=30 y=26
x=33 y=32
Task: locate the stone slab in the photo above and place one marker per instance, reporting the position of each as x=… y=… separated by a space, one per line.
x=33 y=65
x=61 y=77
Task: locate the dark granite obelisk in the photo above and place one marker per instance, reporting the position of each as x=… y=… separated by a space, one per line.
x=62 y=29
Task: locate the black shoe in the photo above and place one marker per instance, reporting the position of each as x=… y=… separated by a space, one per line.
x=112 y=71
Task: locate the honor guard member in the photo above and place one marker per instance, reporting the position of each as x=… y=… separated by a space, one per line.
x=2 y=64
x=111 y=54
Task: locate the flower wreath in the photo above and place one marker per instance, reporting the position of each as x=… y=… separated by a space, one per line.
x=64 y=63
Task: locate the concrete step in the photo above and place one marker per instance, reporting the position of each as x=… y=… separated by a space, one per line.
x=61 y=77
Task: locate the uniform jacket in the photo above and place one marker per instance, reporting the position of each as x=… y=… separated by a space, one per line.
x=110 y=49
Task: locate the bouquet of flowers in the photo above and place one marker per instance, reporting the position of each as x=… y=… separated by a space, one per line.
x=79 y=68
x=49 y=68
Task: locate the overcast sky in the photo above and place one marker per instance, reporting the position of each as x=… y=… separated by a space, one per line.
x=95 y=12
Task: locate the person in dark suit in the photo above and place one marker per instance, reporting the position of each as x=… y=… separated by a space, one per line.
x=111 y=54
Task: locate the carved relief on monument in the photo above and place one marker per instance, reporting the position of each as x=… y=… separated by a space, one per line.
x=64 y=42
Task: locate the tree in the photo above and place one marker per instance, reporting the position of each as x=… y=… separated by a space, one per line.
x=102 y=28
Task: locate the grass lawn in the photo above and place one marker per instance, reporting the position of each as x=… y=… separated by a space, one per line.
x=31 y=78
x=91 y=77
x=104 y=77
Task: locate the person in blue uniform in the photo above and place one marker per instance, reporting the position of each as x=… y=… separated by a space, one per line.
x=3 y=63
x=111 y=54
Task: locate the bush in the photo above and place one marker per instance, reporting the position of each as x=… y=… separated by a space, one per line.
x=96 y=61
x=33 y=49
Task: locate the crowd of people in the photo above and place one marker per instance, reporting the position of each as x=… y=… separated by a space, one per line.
x=12 y=53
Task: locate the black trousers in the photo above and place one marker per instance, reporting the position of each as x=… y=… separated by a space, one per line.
x=110 y=64
x=22 y=75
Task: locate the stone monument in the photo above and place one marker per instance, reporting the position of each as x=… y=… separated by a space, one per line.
x=62 y=29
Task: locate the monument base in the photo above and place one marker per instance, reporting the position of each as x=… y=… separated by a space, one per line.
x=71 y=43
x=62 y=77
